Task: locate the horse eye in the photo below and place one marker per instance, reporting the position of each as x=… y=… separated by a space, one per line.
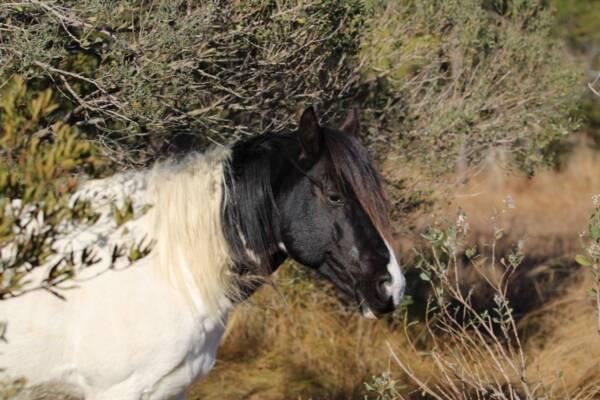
x=334 y=198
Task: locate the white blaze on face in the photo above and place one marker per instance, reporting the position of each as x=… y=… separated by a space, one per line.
x=396 y=287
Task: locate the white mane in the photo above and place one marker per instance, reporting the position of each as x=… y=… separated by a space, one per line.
x=183 y=223
x=190 y=247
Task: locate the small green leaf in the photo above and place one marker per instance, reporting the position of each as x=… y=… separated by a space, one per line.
x=582 y=260
x=470 y=252
x=498 y=234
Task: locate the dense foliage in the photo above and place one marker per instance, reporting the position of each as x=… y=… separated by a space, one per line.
x=463 y=78
x=154 y=76
x=578 y=22
x=441 y=80
x=38 y=173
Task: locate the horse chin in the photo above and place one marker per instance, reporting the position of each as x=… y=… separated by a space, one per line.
x=368 y=313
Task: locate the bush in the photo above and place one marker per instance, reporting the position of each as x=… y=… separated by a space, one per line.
x=577 y=21
x=150 y=77
x=443 y=81
x=39 y=168
x=592 y=257
x=458 y=78
x=478 y=353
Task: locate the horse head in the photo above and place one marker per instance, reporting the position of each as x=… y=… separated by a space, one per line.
x=315 y=195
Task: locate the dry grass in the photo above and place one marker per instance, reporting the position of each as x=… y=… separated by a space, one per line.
x=311 y=347
x=301 y=342
x=565 y=349
x=550 y=210
x=310 y=350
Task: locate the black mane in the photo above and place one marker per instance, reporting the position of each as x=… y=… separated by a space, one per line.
x=249 y=208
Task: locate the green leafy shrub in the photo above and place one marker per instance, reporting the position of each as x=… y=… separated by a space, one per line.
x=592 y=257
x=476 y=353
x=578 y=22
x=39 y=169
x=382 y=387
x=460 y=77
x=443 y=81
x=146 y=77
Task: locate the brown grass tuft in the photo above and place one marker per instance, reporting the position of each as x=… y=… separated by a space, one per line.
x=567 y=347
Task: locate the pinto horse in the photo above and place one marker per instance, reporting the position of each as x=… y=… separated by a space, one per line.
x=220 y=222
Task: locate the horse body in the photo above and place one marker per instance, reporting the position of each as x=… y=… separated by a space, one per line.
x=124 y=332
x=142 y=341
x=219 y=223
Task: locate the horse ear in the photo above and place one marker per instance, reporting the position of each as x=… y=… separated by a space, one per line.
x=309 y=132
x=351 y=125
